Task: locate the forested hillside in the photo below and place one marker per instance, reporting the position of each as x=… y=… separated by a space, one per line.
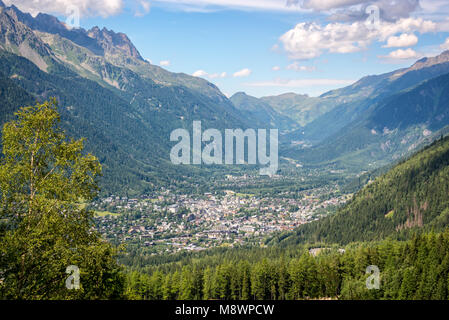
x=414 y=269
x=328 y=258
x=262 y=112
x=412 y=196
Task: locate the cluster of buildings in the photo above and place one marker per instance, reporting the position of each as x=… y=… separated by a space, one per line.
x=167 y=222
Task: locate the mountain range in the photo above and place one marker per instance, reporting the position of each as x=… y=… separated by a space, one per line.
x=399 y=112
x=126 y=107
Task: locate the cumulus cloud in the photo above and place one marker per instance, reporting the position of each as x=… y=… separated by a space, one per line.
x=164 y=63
x=204 y=74
x=242 y=73
x=199 y=73
x=401 y=54
x=276 y=68
x=218 y=75
x=295 y=66
x=445 y=45
x=102 y=8
x=310 y=40
x=404 y=40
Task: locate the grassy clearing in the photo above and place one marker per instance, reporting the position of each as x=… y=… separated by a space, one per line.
x=105 y=213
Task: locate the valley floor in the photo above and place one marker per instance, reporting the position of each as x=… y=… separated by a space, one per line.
x=168 y=222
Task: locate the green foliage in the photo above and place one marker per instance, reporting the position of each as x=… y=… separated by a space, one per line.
x=410 y=197
x=43 y=230
x=414 y=269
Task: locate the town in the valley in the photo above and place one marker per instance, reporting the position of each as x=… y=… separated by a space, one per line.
x=170 y=222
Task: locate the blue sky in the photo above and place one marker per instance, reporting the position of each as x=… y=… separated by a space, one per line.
x=267 y=47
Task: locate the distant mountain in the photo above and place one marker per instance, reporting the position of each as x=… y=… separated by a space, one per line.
x=412 y=196
x=391 y=128
x=401 y=111
x=353 y=101
x=301 y=108
x=255 y=108
x=123 y=105
x=325 y=115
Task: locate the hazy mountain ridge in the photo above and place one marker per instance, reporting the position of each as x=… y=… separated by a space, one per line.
x=359 y=97
x=255 y=108
x=301 y=108
x=383 y=127
x=388 y=129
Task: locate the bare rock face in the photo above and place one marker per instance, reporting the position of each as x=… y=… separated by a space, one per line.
x=18 y=38
x=100 y=42
x=114 y=43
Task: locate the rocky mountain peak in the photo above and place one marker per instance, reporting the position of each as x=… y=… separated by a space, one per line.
x=114 y=43
x=99 y=41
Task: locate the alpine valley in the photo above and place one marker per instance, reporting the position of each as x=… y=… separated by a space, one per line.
x=363 y=176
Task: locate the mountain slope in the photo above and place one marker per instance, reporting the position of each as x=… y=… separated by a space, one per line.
x=123 y=105
x=114 y=133
x=411 y=196
x=111 y=60
x=389 y=129
x=258 y=110
x=301 y=108
x=353 y=101
x=87 y=49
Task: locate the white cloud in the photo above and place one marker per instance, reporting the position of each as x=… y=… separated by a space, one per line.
x=242 y=73
x=102 y=8
x=165 y=63
x=310 y=40
x=204 y=74
x=401 y=54
x=199 y=73
x=218 y=75
x=404 y=40
x=276 y=68
x=298 y=83
x=445 y=45
x=295 y=66
x=144 y=9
